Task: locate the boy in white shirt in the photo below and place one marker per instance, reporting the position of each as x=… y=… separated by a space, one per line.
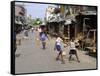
x=73 y=50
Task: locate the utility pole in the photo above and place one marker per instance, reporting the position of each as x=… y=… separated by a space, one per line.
x=84 y=29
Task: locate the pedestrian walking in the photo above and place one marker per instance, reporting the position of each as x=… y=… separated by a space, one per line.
x=59 y=49
x=32 y=29
x=73 y=50
x=43 y=38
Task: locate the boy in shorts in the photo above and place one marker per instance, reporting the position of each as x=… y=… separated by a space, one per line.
x=73 y=50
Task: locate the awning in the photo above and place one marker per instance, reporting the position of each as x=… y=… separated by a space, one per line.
x=55 y=18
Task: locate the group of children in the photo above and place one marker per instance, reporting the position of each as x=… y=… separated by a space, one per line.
x=72 y=50
x=58 y=46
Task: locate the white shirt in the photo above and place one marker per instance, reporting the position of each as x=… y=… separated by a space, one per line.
x=72 y=45
x=58 y=40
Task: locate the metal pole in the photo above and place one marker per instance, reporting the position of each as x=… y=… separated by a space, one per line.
x=84 y=25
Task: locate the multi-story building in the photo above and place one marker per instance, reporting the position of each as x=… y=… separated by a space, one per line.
x=20 y=17
x=71 y=20
x=54 y=19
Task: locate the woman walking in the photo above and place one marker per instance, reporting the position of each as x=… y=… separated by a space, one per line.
x=43 y=38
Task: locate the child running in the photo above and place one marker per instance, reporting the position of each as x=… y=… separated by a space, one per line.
x=58 y=48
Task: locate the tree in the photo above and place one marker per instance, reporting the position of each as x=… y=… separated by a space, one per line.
x=37 y=21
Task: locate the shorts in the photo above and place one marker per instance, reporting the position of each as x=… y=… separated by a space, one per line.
x=58 y=47
x=72 y=51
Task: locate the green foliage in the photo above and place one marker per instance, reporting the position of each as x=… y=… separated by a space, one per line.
x=36 y=21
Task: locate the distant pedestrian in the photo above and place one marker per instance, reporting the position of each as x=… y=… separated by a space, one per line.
x=32 y=29
x=59 y=49
x=73 y=50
